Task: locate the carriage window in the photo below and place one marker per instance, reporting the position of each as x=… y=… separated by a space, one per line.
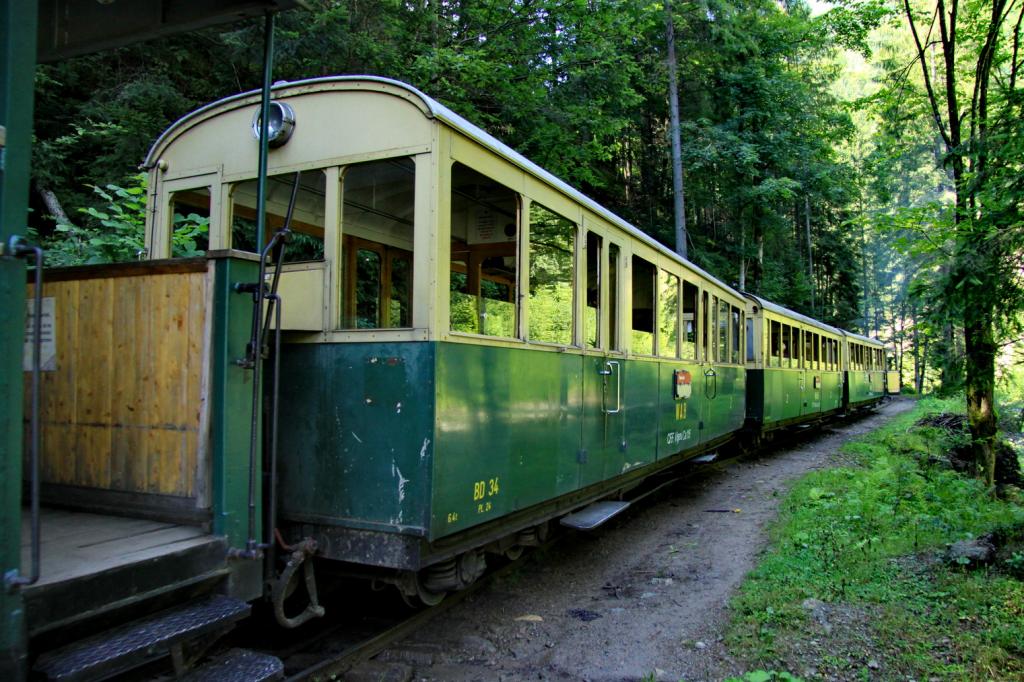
x=689 y=321
x=307 y=242
x=643 y=307
x=817 y=352
x=190 y=222
x=613 y=297
x=776 y=347
x=735 y=335
x=552 y=254
x=796 y=347
x=750 y=340
x=484 y=216
x=723 y=331
x=592 y=312
x=808 y=350
x=787 y=348
x=368 y=268
x=713 y=330
x=377 y=244
x=705 y=349
x=668 y=315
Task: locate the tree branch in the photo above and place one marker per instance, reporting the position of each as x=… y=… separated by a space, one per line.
x=922 y=59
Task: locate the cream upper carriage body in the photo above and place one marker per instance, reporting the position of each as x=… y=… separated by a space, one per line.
x=376 y=191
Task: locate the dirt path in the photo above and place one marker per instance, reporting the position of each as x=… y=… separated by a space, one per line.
x=646 y=594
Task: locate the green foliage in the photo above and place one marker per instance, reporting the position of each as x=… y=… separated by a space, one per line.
x=579 y=87
x=865 y=539
x=115 y=232
x=764 y=676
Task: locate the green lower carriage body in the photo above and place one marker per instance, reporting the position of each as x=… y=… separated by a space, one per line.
x=865 y=386
x=400 y=454
x=779 y=397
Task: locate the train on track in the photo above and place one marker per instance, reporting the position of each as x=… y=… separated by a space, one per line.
x=410 y=349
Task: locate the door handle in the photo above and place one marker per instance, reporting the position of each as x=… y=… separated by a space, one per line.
x=710 y=374
x=612 y=367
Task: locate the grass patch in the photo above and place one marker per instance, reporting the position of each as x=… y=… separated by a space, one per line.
x=854 y=585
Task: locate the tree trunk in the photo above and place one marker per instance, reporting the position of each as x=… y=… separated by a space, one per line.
x=743 y=258
x=864 y=276
x=678 y=197
x=810 y=248
x=53 y=205
x=980 y=365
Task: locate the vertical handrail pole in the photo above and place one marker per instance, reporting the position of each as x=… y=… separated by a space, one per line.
x=37 y=342
x=272 y=493
x=19 y=248
x=256 y=352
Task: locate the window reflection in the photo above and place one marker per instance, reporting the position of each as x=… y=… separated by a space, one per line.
x=552 y=245
x=642 y=341
x=378 y=202
x=484 y=255
x=668 y=315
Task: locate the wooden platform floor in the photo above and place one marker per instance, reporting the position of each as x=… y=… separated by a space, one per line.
x=77 y=544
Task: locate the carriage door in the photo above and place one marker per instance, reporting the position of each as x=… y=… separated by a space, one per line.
x=602 y=446
x=714 y=350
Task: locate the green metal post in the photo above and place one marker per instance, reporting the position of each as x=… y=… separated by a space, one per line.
x=17 y=70
x=231 y=400
x=261 y=183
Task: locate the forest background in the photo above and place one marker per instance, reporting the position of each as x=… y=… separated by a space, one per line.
x=817 y=172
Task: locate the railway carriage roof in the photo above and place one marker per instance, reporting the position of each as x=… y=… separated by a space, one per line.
x=434 y=109
x=862 y=339
x=786 y=312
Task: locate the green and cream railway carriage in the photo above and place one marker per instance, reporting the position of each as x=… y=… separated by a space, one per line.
x=471 y=346
x=794 y=366
x=470 y=349
x=800 y=370
x=865 y=364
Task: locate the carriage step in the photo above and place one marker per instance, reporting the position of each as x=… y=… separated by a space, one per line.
x=137 y=643
x=239 y=665
x=704 y=459
x=594 y=515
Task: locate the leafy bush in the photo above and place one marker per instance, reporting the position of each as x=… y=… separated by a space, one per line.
x=867 y=539
x=115 y=233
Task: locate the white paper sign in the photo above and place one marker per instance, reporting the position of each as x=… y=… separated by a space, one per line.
x=48 y=349
x=487 y=226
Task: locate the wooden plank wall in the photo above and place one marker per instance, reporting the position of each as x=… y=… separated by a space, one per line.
x=124 y=409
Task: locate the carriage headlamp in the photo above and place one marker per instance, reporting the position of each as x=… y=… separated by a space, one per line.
x=280 y=124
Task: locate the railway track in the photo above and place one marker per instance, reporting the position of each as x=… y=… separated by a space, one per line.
x=362 y=623
x=370 y=644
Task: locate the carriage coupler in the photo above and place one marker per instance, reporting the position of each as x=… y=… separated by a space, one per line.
x=286 y=584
